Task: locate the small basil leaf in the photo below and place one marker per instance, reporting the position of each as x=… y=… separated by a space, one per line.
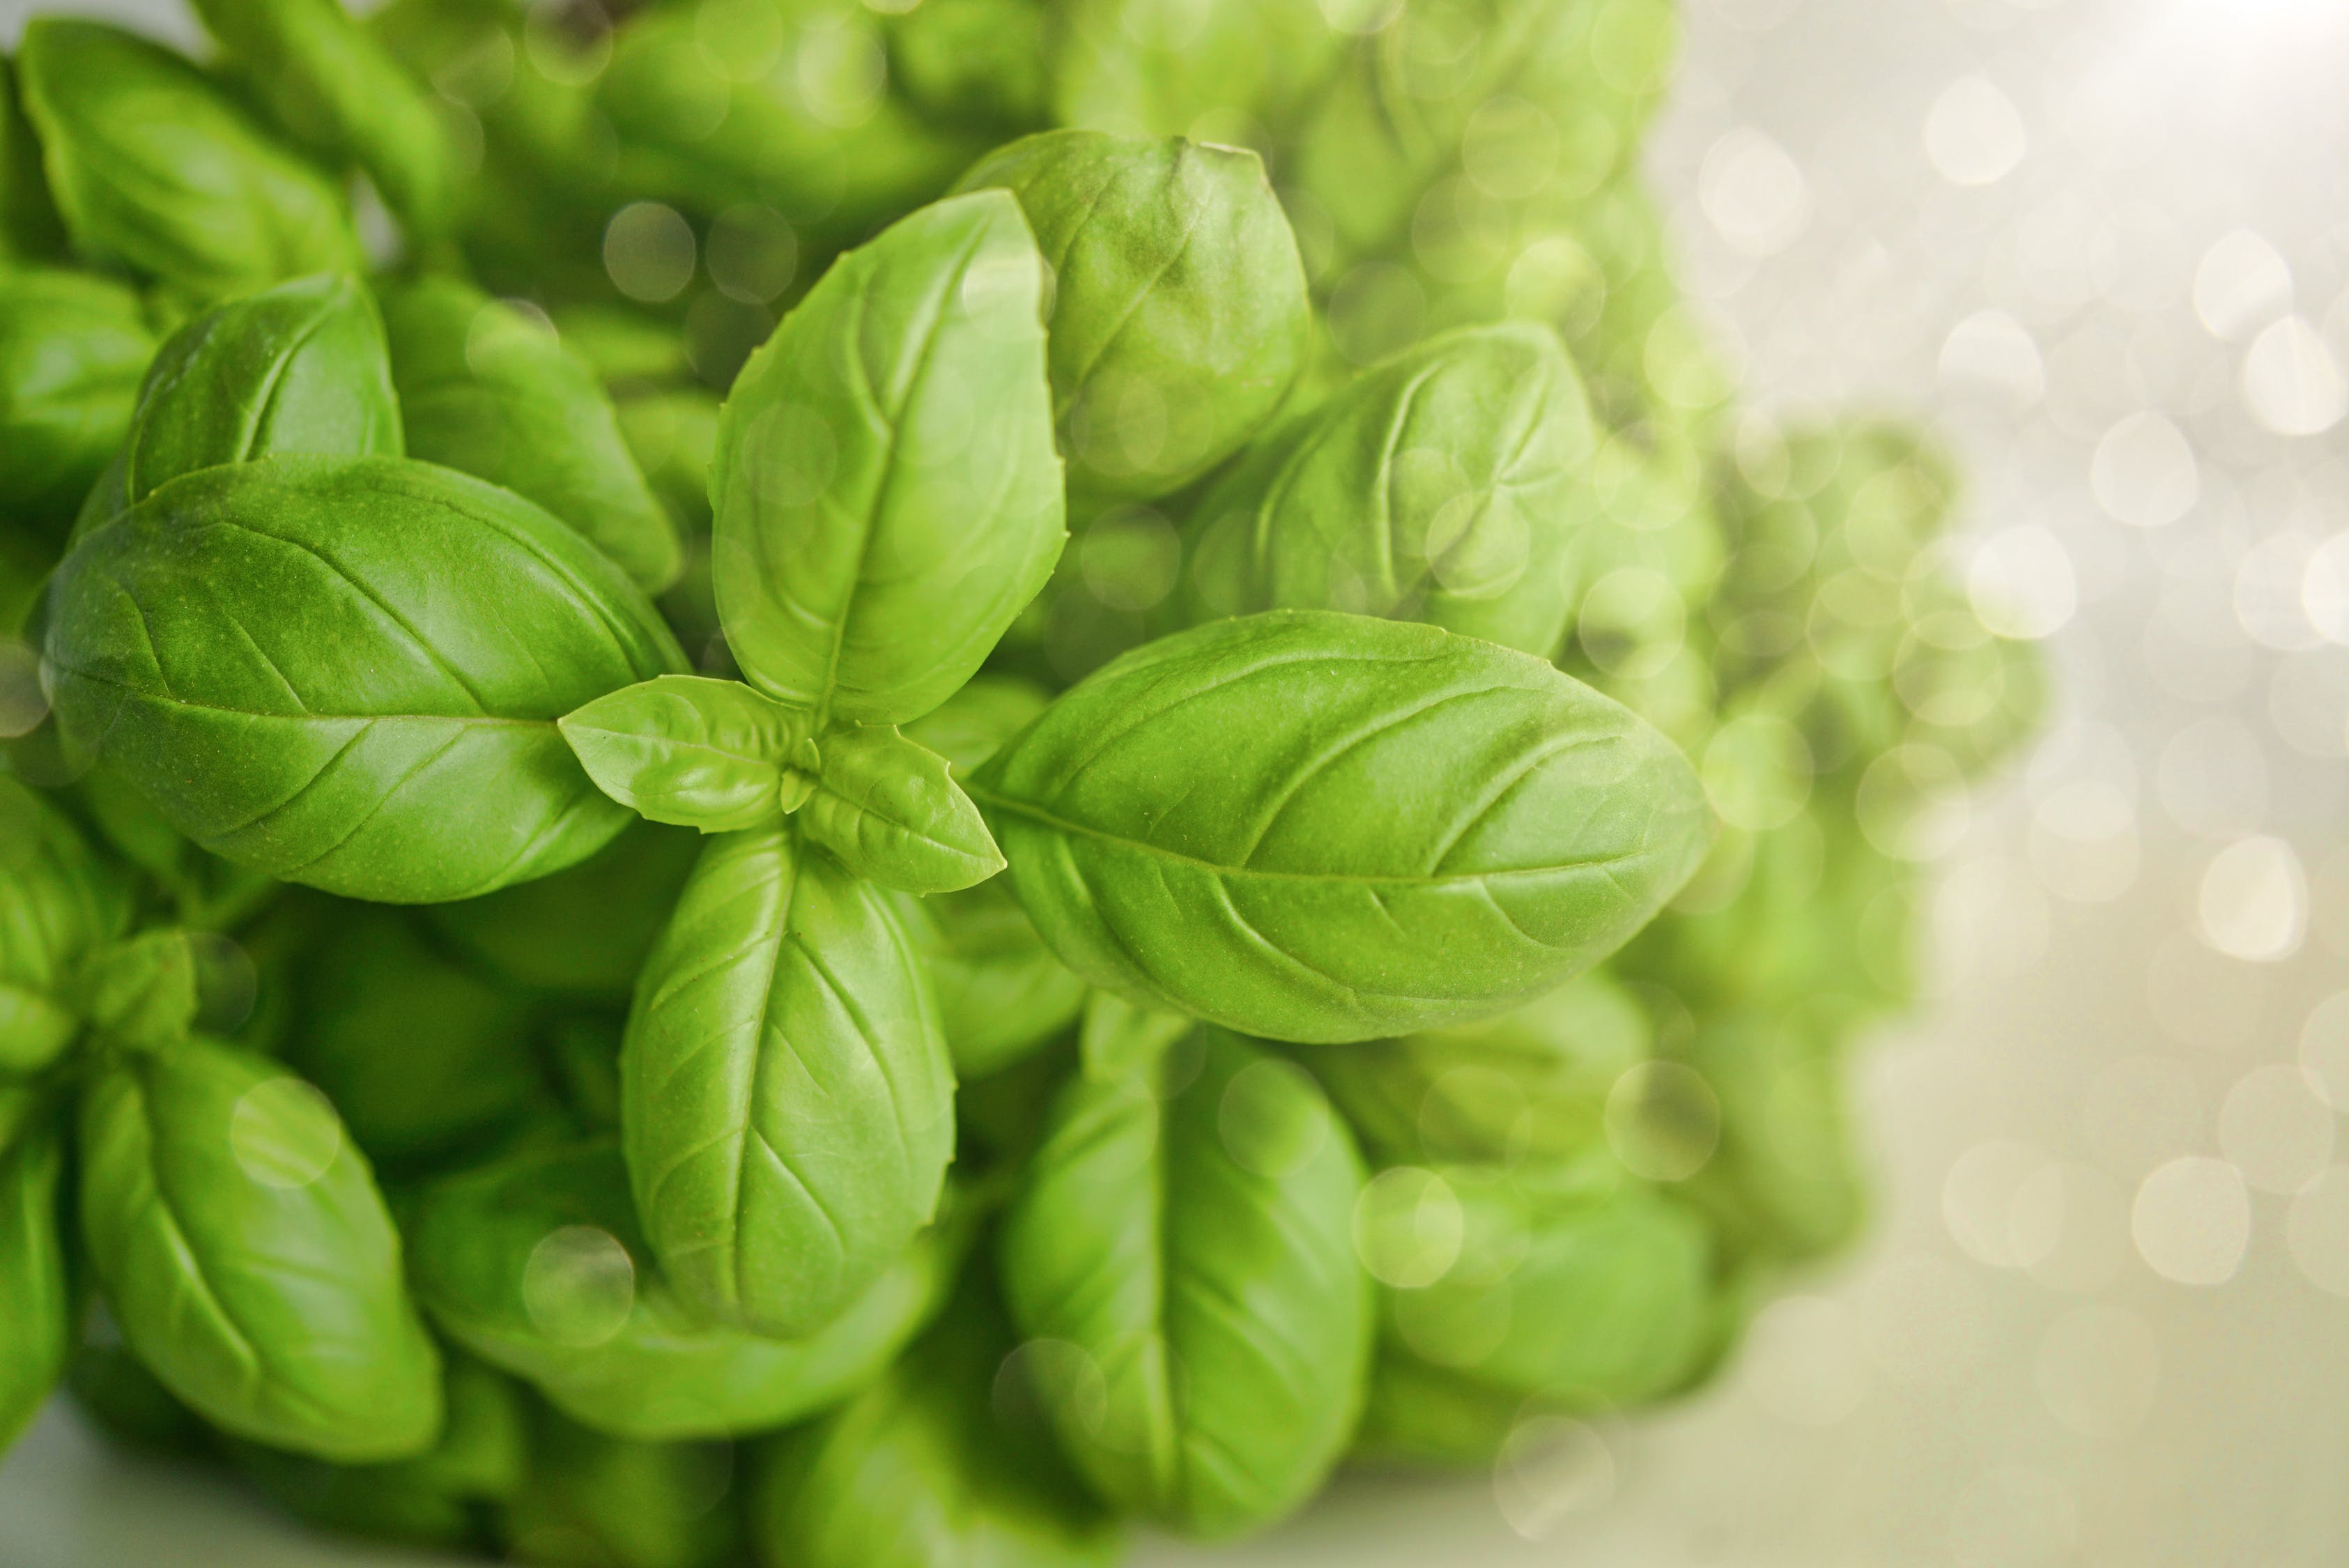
x=600 y=1501
x=336 y=90
x=887 y=497
x=1605 y=1292
x=535 y=1265
x=786 y=1097
x=346 y=672
x=934 y=1464
x=58 y=902
x=422 y=1055
x=887 y=808
x=973 y=724
x=688 y=750
x=156 y=166
x=249 y=1258
x=487 y=391
x=1449 y=485
x=1179 y=316
x=30 y=229
x=584 y=932
x=1325 y=827
x=35 y=1305
x=1531 y=1084
x=1001 y=993
x=300 y=367
x=72 y=348
x=1189 y=1246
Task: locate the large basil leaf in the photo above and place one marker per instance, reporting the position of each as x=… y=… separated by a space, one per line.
x=1597 y=1292
x=35 y=1307
x=584 y=932
x=1190 y=1244
x=419 y=1054
x=928 y=1467
x=72 y=348
x=536 y=1265
x=1324 y=827
x=1531 y=1084
x=1179 y=316
x=58 y=901
x=887 y=496
x=595 y=1501
x=300 y=367
x=249 y=1258
x=787 y=1100
x=155 y=166
x=1449 y=485
x=888 y=810
x=347 y=671
x=333 y=86
x=1001 y=993
x=488 y=391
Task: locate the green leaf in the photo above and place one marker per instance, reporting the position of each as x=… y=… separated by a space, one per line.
x=1238 y=69
x=336 y=91
x=1179 y=315
x=937 y=1463
x=1185 y=1236
x=156 y=987
x=58 y=901
x=887 y=497
x=346 y=672
x=582 y=933
x=787 y=1099
x=974 y=723
x=535 y=1265
x=156 y=166
x=36 y=1304
x=1323 y=828
x=1001 y=993
x=30 y=229
x=488 y=391
x=72 y=348
x=300 y=367
x=983 y=65
x=887 y=808
x=692 y=752
x=1450 y=485
x=599 y=1501
x=249 y=1258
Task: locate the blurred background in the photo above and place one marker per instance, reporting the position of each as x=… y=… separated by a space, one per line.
x=2102 y=1317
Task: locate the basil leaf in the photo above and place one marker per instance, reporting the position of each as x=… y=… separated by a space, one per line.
x=155 y=166
x=1323 y=828
x=584 y=932
x=248 y=1256
x=72 y=348
x=1170 y=67
x=488 y=391
x=1531 y=1084
x=886 y=494
x=890 y=812
x=1179 y=316
x=673 y=435
x=1002 y=994
x=608 y=1502
x=692 y=752
x=347 y=671
x=30 y=229
x=927 y=1467
x=300 y=367
x=1191 y=1245
x=535 y=1265
x=338 y=90
x=787 y=1099
x=1786 y=1182
x=1604 y=1295
x=973 y=724
x=35 y=1308
x=1422 y=1413
x=58 y=901
x=420 y=1055
x=156 y=987
x=1449 y=485
x=983 y=66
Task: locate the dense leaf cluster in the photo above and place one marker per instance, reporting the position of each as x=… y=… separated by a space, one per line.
x=856 y=785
